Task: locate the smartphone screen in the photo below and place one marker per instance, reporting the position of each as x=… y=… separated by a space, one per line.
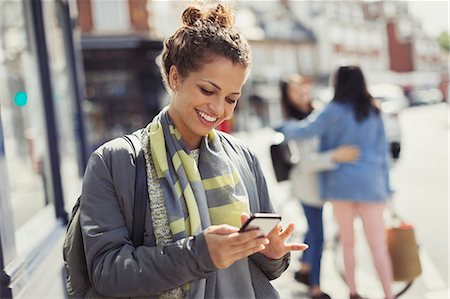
x=265 y=222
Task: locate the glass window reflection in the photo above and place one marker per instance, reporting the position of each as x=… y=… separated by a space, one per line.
x=22 y=122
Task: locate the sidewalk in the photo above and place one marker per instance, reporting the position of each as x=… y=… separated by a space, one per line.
x=48 y=279
x=428 y=285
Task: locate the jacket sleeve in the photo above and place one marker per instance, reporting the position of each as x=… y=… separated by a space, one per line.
x=314 y=125
x=116 y=268
x=270 y=267
x=318 y=161
x=311 y=159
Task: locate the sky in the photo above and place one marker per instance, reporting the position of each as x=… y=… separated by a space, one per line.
x=433 y=14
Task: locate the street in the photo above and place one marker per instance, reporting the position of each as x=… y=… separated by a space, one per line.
x=420 y=181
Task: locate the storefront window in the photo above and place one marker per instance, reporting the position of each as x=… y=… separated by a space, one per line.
x=21 y=115
x=63 y=96
x=124 y=90
x=109 y=119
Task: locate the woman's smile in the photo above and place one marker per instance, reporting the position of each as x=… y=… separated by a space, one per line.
x=206 y=118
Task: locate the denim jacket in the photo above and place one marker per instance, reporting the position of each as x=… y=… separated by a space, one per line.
x=366 y=179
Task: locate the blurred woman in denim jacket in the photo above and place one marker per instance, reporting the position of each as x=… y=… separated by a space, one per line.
x=359 y=188
x=296 y=102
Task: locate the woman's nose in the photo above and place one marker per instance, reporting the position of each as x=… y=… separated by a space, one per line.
x=217 y=107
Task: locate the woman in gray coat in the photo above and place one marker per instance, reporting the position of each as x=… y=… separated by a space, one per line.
x=202 y=184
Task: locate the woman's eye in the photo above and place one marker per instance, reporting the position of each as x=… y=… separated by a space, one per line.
x=206 y=92
x=231 y=101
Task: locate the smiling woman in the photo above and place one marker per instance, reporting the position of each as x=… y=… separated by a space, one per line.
x=205 y=98
x=204 y=66
x=201 y=185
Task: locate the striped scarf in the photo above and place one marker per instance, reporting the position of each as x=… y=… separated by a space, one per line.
x=195 y=196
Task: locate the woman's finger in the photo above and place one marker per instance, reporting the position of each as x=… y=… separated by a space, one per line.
x=244 y=217
x=250 y=244
x=285 y=233
x=296 y=247
x=223 y=229
x=275 y=232
x=245 y=253
x=244 y=237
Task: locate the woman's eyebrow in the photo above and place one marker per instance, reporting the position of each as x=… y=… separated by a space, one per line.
x=217 y=86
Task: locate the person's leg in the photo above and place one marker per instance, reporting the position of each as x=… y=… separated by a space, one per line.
x=314 y=217
x=344 y=213
x=305 y=258
x=315 y=238
x=303 y=274
x=372 y=217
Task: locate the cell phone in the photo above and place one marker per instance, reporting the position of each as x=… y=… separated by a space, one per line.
x=265 y=222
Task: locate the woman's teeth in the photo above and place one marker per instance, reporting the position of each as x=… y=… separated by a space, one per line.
x=207 y=117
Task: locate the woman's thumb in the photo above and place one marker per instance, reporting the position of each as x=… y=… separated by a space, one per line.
x=223 y=229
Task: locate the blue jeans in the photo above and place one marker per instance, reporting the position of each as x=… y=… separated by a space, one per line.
x=314 y=238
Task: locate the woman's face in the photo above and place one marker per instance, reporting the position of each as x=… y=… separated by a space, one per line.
x=299 y=94
x=205 y=98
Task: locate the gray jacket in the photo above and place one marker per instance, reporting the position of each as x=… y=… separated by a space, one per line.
x=118 y=269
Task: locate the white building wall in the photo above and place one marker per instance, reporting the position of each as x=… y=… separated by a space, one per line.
x=111 y=15
x=343 y=24
x=307 y=60
x=165 y=17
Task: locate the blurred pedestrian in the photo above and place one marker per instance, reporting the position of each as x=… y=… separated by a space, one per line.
x=297 y=104
x=359 y=188
x=202 y=184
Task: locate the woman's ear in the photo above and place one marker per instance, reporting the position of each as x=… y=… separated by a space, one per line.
x=174 y=77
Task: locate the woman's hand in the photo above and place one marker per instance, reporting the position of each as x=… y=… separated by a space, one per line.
x=277 y=246
x=227 y=245
x=345 y=154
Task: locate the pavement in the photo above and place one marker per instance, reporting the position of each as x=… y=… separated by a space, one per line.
x=48 y=281
x=429 y=285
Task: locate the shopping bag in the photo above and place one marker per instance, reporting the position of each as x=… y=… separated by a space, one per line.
x=283 y=157
x=404 y=252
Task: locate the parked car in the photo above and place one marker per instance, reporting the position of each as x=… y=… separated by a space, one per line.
x=391 y=125
x=392 y=101
x=425 y=96
x=394 y=95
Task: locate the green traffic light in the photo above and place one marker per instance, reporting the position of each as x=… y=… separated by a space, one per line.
x=21 y=98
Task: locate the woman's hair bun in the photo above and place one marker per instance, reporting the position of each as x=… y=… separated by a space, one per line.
x=221 y=16
x=218 y=15
x=191 y=15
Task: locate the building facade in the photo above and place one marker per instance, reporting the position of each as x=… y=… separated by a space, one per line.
x=381 y=36
x=123 y=86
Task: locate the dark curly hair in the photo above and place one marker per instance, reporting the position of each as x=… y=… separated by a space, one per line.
x=204 y=34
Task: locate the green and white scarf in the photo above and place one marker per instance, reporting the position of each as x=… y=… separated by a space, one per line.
x=194 y=196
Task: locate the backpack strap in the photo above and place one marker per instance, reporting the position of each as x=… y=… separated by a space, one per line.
x=140 y=191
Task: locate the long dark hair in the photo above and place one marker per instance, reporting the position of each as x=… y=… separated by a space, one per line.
x=289 y=109
x=350 y=87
